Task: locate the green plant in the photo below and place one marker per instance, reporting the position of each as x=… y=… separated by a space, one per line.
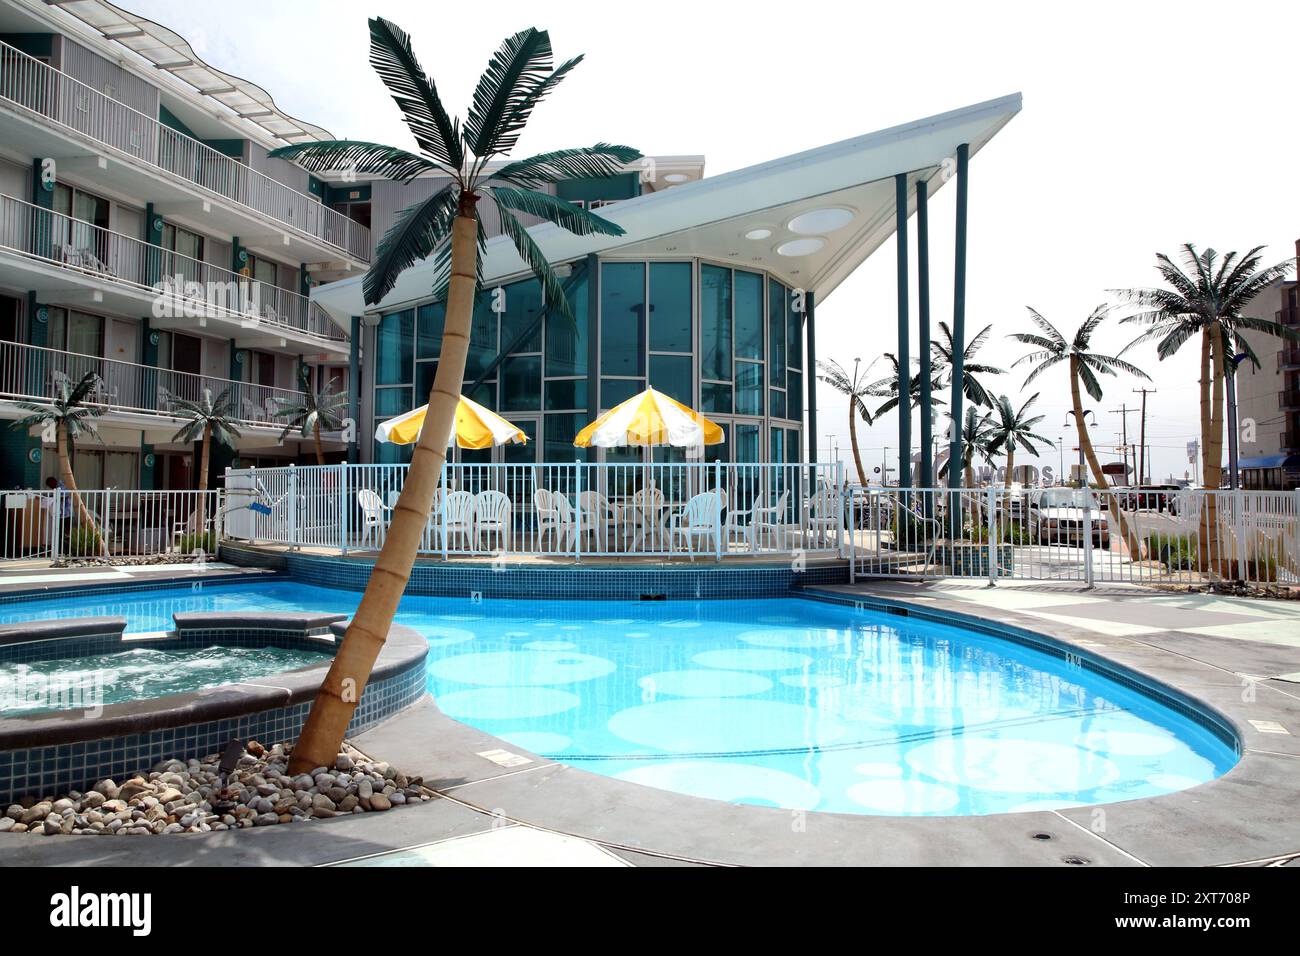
x=1177 y=552
x=194 y=541
x=83 y=541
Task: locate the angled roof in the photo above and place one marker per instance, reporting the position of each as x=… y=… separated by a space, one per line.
x=757 y=217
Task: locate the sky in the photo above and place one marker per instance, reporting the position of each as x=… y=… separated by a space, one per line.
x=1145 y=125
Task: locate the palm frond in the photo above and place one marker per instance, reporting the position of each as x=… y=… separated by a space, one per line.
x=417 y=232
x=370 y=159
x=522 y=61
x=415 y=95
x=588 y=162
x=567 y=216
x=552 y=291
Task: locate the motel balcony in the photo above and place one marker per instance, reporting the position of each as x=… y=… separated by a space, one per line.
x=1290 y=357
x=70 y=262
x=1288 y=398
x=139 y=394
x=48 y=114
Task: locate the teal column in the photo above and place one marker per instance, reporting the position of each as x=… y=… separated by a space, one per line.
x=148 y=465
x=923 y=343
x=958 y=318
x=237 y=359
x=20 y=452
x=153 y=232
x=42 y=231
x=304 y=280
x=810 y=382
x=904 y=345
x=354 y=386
x=593 y=345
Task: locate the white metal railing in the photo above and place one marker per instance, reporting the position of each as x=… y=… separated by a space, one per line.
x=32 y=373
x=700 y=510
x=54 y=96
x=1081 y=535
x=190 y=287
x=111 y=523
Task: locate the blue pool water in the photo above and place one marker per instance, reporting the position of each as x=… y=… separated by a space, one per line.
x=779 y=702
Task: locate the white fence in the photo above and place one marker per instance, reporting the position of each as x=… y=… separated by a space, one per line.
x=696 y=509
x=134 y=524
x=1081 y=535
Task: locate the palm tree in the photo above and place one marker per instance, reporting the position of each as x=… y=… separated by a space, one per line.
x=975 y=441
x=205 y=420
x=887 y=388
x=942 y=348
x=445 y=227
x=312 y=412
x=1051 y=349
x=856 y=389
x=70 y=417
x=1011 y=428
x=1205 y=299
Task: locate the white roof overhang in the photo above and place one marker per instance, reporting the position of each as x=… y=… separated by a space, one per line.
x=713 y=217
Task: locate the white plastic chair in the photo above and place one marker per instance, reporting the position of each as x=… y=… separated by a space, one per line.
x=550 y=520
x=750 y=525
x=824 y=513
x=599 y=518
x=492 y=517
x=567 y=519
x=698 y=518
x=456 y=518
x=641 y=516
x=373 y=519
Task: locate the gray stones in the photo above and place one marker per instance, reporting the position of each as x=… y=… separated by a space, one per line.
x=178 y=797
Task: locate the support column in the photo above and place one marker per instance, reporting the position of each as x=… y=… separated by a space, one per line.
x=958 y=320
x=354 y=386
x=593 y=348
x=923 y=340
x=810 y=382
x=904 y=346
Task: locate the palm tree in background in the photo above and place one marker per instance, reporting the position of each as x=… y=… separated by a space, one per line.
x=976 y=434
x=887 y=388
x=446 y=228
x=1204 y=299
x=313 y=411
x=205 y=420
x=1051 y=348
x=69 y=415
x=856 y=389
x=941 y=350
x=1011 y=427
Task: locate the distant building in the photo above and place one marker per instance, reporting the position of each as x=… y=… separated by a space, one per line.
x=1268 y=397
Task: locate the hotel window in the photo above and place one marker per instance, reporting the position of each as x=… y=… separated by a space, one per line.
x=394 y=338
x=263 y=270
x=777 y=305
x=188 y=249
x=715 y=339
x=622 y=320
x=91 y=215
x=73 y=331
x=671 y=333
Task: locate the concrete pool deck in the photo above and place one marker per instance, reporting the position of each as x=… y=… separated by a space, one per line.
x=1239 y=657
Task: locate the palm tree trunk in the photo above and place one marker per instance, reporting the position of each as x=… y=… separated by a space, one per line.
x=320 y=452
x=1011 y=465
x=1125 y=530
x=84 y=517
x=339 y=694
x=1207 y=533
x=201 y=509
x=853 y=441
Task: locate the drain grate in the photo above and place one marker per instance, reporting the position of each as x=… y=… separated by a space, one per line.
x=1076 y=860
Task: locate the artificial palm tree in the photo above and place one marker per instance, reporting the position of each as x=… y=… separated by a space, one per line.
x=69 y=415
x=1204 y=300
x=1012 y=427
x=313 y=411
x=887 y=388
x=1051 y=349
x=204 y=420
x=445 y=227
x=942 y=348
x=856 y=389
x=975 y=442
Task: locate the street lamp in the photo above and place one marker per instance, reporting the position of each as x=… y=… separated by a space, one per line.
x=1086 y=413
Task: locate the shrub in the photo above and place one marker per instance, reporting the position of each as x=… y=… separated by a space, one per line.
x=207 y=542
x=83 y=542
x=1176 y=552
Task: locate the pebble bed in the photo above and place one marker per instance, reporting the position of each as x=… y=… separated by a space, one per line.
x=188 y=797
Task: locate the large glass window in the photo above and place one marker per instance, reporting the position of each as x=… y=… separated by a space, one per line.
x=616 y=390
x=559 y=431
x=522 y=308
x=482 y=338
x=563 y=394
x=622 y=322
x=521 y=383
x=566 y=342
x=749 y=388
x=776 y=309
x=747 y=443
x=671 y=374
x=394 y=341
x=432 y=317
x=749 y=315
x=670 y=307
x=715 y=397
x=715 y=326
x=794 y=331
x=794 y=396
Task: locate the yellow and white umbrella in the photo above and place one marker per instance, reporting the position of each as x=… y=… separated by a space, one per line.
x=475 y=427
x=650 y=418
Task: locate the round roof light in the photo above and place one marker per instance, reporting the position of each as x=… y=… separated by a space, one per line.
x=676 y=178
x=800 y=247
x=819 y=221
x=759 y=234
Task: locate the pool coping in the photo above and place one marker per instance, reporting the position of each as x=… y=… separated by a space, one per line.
x=1245 y=816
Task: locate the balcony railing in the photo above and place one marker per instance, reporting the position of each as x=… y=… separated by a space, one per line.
x=1288 y=398
x=1287 y=316
x=189 y=287
x=32 y=373
x=1290 y=357
x=31 y=85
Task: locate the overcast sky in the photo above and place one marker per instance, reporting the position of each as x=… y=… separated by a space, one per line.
x=1145 y=125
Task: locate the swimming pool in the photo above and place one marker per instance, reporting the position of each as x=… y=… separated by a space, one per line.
x=777 y=702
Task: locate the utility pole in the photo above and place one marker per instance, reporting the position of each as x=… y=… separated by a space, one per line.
x=1144 y=463
x=1123 y=412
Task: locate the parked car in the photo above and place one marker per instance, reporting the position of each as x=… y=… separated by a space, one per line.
x=1147 y=497
x=1057 y=517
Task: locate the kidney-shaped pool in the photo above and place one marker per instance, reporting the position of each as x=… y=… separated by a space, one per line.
x=777 y=702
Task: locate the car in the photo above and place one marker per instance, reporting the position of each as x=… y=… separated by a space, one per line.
x=1057 y=517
